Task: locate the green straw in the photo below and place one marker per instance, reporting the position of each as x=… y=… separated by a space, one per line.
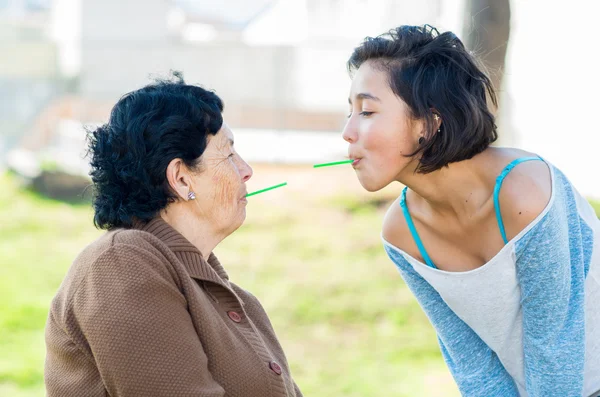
x=264 y=190
x=334 y=163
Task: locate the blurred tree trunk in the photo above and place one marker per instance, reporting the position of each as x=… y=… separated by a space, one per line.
x=487 y=31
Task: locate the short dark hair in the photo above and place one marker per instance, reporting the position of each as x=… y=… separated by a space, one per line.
x=434 y=73
x=148 y=128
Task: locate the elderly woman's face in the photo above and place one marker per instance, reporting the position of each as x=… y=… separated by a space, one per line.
x=220 y=187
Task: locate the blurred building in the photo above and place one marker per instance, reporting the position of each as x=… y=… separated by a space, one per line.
x=279 y=65
x=29 y=72
x=276 y=65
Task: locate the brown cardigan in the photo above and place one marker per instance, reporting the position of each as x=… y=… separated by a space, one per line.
x=141 y=313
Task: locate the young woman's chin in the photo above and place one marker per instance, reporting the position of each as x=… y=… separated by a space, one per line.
x=370 y=184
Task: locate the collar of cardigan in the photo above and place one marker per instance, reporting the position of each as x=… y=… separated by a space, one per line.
x=207 y=270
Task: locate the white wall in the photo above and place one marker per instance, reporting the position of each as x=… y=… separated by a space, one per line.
x=552 y=75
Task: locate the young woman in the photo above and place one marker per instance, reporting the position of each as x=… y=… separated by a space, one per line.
x=500 y=250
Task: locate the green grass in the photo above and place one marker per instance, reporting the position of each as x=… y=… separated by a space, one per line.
x=38 y=241
x=347 y=322
x=349 y=325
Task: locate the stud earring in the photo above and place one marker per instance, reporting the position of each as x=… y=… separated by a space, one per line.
x=191 y=196
x=437 y=118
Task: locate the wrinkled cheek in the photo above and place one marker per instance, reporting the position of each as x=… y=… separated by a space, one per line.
x=225 y=191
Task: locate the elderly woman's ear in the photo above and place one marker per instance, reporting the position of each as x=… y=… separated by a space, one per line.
x=179 y=179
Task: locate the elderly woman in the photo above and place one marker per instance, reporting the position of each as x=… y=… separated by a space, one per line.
x=147 y=309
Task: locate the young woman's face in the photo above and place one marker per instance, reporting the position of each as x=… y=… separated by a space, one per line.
x=380 y=131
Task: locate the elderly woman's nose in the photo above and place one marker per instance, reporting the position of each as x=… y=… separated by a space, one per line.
x=246 y=171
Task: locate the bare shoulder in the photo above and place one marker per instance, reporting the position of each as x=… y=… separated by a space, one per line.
x=396 y=232
x=525 y=193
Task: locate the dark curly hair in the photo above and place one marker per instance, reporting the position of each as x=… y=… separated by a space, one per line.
x=433 y=71
x=147 y=129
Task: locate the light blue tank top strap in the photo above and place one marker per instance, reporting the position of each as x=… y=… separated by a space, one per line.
x=413 y=230
x=499 y=181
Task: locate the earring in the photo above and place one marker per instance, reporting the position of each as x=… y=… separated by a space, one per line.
x=191 y=196
x=436 y=118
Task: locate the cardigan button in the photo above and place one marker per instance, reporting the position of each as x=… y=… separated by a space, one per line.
x=275 y=367
x=234 y=316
